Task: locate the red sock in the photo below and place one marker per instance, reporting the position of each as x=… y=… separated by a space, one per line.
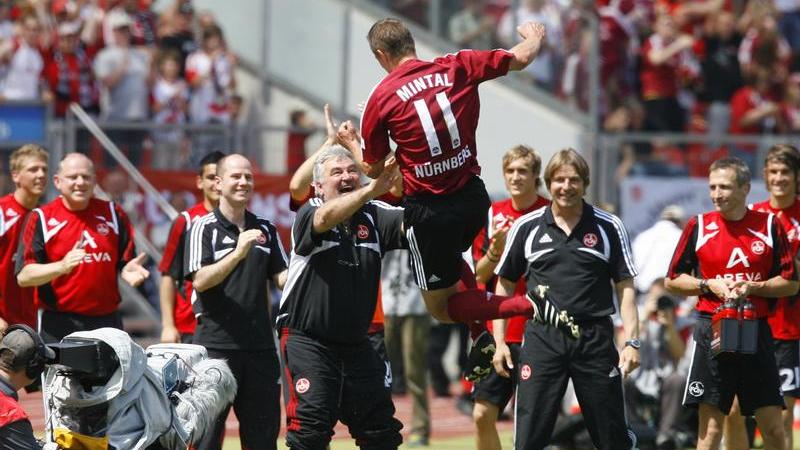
x=476 y=304
x=467 y=276
x=466 y=386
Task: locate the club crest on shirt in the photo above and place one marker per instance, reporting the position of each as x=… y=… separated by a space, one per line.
x=525 y=372
x=261 y=239
x=11 y=213
x=590 y=239
x=363 y=232
x=302 y=385
x=757 y=247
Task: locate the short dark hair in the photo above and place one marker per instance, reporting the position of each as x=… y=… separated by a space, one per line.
x=9 y=362
x=168 y=55
x=738 y=166
x=391 y=37
x=212 y=31
x=295 y=115
x=210 y=158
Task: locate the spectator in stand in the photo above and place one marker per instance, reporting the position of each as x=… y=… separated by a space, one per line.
x=6 y=22
x=754 y=110
x=407 y=327
x=521 y=169
x=789 y=23
x=763 y=46
x=470 y=27
x=665 y=57
x=23 y=62
x=170 y=99
x=206 y=19
x=544 y=67
x=574 y=79
x=68 y=72
x=652 y=250
x=720 y=71
x=143 y=26
x=176 y=32
x=124 y=71
x=690 y=15
x=209 y=72
x=301 y=128
x=658 y=384
x=791 y=104
x=240 y=136
x=617 y=35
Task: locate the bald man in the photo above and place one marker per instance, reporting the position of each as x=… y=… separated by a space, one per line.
x=232 y=253
x=72 y=250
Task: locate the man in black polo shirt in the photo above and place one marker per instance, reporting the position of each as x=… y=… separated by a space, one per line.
x=232 y=254
x=576 y=250
x=333 y=373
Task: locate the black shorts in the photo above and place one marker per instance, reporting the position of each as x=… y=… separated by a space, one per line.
x=715 y=381
x=329 y=383
x=496 y=389
x=54 y=325
x=787 y=355
x=440 y=228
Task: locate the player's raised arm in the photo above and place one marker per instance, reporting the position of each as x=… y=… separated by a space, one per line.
x=533 y=35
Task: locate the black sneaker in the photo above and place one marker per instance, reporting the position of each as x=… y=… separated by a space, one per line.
x=480 y=357
x=544 y=311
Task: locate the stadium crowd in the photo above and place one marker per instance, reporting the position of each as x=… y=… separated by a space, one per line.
x=122 y=62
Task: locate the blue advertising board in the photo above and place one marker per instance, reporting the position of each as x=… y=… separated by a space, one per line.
x=23 y=122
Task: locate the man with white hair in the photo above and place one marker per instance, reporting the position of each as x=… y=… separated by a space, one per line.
x=332 y=371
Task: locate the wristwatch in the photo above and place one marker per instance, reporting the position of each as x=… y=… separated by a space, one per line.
x=704 y=287
x=635 y=343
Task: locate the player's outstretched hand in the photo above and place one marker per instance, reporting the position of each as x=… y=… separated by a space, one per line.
x=73 y=258
x=134 y=272
x=387 y=178
x=533 y=31
x=348 y=136
x=330 y=125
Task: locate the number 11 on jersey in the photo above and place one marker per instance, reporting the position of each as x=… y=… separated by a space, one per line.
x=430 y=130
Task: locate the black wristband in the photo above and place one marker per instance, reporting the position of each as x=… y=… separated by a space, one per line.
x=704 y=289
